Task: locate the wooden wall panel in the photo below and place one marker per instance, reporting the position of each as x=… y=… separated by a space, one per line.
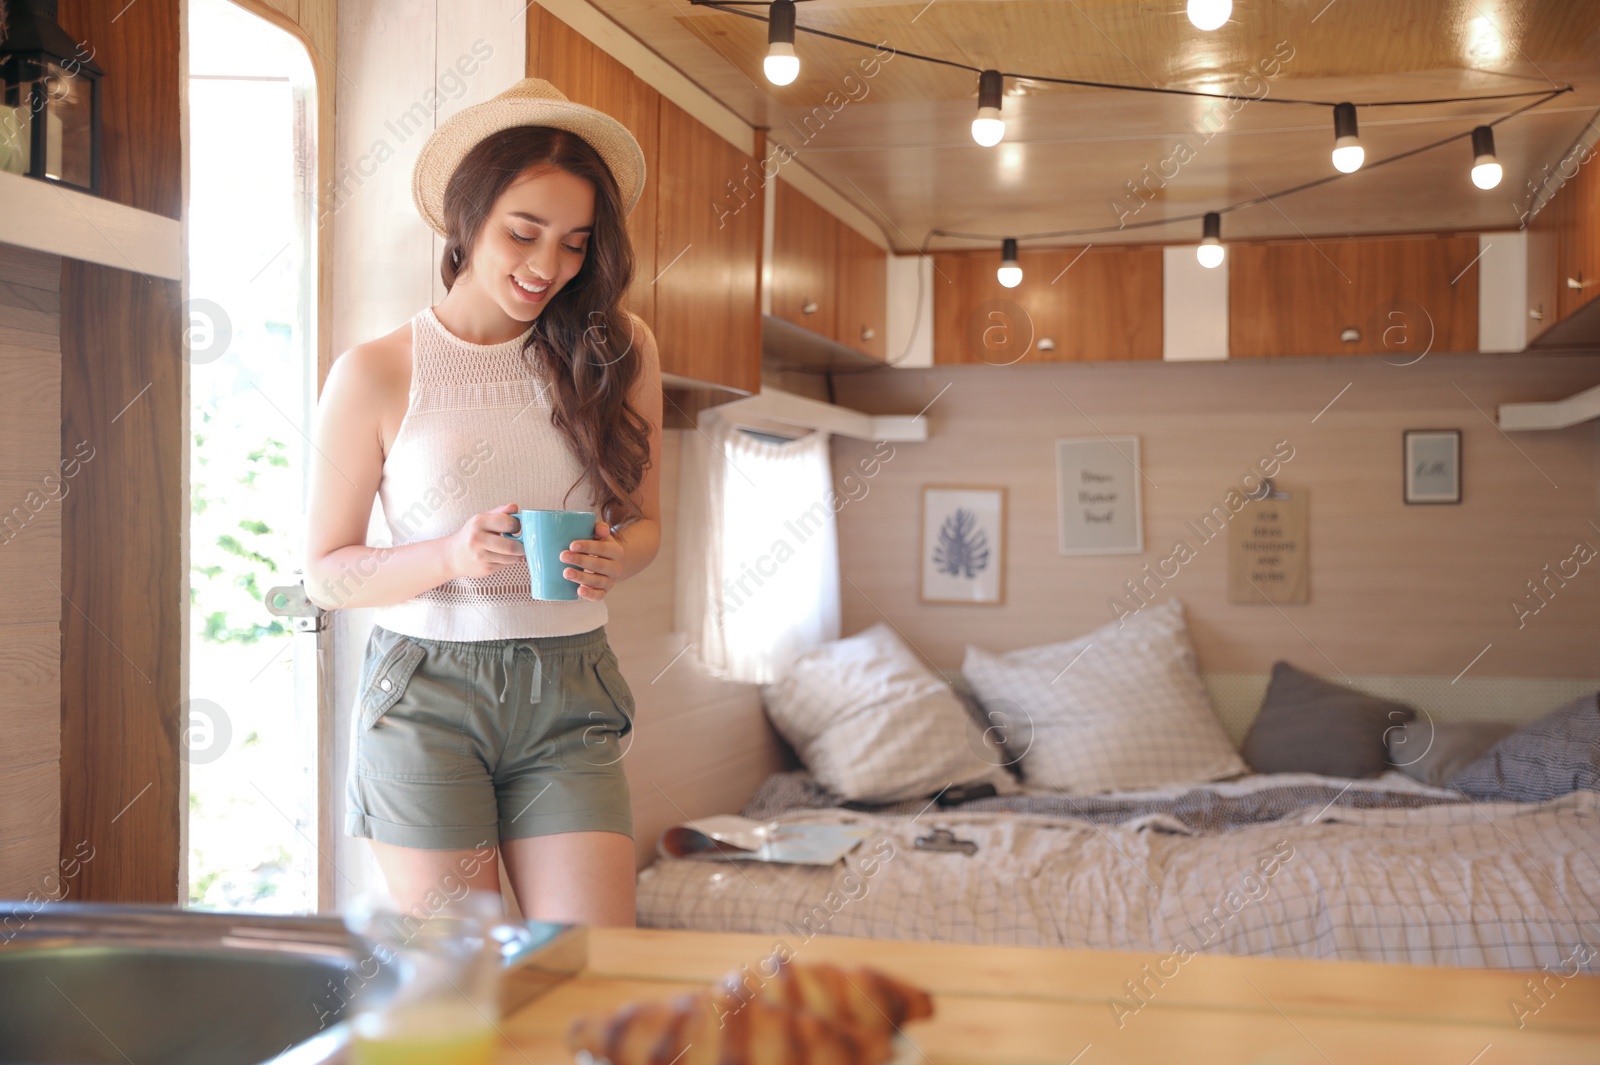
x=589 y=76
x=32 y=483
x=123 y=582
x=1395 y=589
x=1095 y=304
x=1405 y=296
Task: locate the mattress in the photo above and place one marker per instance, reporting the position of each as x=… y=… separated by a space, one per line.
x=1288 y=865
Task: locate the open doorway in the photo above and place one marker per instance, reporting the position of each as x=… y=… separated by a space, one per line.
x=250 y=742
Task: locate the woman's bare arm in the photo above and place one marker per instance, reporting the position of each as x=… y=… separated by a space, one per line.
x=341 y=569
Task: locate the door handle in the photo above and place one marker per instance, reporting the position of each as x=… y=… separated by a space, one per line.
x=290 y=601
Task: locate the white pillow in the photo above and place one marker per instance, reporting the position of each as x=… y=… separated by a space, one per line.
x=873 y=724
x=1118 y=708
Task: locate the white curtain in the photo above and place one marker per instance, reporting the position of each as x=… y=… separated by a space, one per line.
x=758 y=549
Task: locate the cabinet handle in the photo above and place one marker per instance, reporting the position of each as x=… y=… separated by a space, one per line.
x=867 y=332
x=1350 y=336
x=808 y=307
x=1537 y=314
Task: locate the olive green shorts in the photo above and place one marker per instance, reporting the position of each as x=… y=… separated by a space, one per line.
x=460 y=744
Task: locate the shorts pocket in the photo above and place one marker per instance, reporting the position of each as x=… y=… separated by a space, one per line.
x=616 y=686
x=389 y=680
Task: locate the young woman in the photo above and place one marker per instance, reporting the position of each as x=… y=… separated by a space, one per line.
x=489 y=722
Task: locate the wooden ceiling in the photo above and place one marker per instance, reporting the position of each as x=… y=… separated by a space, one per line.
x=898 y=143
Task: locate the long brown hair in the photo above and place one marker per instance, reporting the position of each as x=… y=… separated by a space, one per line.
x=583 y=342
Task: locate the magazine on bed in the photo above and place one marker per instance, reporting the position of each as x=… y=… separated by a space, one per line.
x=731 y=836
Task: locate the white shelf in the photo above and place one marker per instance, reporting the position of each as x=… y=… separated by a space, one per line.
x=61 y=221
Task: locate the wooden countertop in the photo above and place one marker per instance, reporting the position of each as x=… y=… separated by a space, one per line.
x=1016 y=1005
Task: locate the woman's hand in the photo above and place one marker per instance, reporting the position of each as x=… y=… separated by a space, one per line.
x=478 y=549
x=601 y=562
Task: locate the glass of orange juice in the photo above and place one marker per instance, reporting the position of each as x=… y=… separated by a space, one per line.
x=443 y=1008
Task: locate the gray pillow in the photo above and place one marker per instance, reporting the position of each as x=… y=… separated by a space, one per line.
x=1434 y=751
x=1557 y=754
x=1310 y=725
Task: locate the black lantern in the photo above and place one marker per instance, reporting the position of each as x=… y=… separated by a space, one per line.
x=50 y=114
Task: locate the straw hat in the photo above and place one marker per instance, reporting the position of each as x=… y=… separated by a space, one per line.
x=530 y=102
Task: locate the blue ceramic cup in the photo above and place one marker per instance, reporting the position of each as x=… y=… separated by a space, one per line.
x=544 y=535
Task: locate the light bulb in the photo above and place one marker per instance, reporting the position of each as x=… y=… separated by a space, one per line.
x=1210 y=252
x=1347 y=158
x=781 y=66
x=1348 y=155
x=1209 y=14
x=1009 y=274
x=988 y=129
x=1486 y=170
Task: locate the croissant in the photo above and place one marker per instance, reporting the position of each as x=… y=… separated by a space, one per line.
x=859 y=997
x=713 y=1028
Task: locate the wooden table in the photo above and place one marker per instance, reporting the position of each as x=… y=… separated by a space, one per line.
x=1029 y=1005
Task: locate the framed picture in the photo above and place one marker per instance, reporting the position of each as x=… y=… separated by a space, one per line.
x=1097 y=495
x=1433 y=465
x=963 y=543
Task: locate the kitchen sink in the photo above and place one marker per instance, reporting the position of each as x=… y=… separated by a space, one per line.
x=88 y=983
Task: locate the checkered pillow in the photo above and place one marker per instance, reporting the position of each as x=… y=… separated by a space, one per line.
x=873 y=724
x=1118 y=708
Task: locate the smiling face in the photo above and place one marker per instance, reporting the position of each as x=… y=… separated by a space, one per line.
x=533 y=241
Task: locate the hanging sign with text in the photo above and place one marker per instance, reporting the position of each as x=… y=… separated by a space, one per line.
x=1268 y=557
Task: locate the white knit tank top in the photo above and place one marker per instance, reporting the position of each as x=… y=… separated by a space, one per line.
x=477 y=434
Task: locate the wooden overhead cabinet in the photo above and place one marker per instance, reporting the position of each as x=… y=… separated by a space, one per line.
x=1401 y=296
x=708 y=250
x=826 y=277
x=1578 y=278
x=1073 y=305
x=696 y=237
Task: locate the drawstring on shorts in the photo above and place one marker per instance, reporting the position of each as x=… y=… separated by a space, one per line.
x=508 y=660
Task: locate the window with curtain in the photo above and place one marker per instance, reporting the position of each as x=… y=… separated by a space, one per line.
x=758 y=549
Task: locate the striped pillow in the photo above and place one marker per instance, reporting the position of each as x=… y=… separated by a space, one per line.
x=1558 y=754
x=1122 y=707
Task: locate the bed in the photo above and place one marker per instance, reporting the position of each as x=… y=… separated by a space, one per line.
x=1289 y=865
x=1121 y=815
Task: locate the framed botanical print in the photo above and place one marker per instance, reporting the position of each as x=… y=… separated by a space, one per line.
x=963 y=544
x=1433 y=465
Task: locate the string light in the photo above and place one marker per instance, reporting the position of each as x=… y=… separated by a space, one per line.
x=1348 y=154
x=782 y=66
x=1209 y=14
x=989 y=127
x=1485 y=167
x=1009 y=274
x=1211 y=252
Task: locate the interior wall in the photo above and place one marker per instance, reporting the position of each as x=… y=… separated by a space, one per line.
x=1395 y=589
x=33 y=480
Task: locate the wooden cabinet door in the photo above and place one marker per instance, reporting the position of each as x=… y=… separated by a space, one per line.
x=805 y=253
x=1073 y=305
x=862 y=286
x=1545 y=277
x=708 y=255
x=1578 y=280
x=1400 y=296
x=588 y=76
